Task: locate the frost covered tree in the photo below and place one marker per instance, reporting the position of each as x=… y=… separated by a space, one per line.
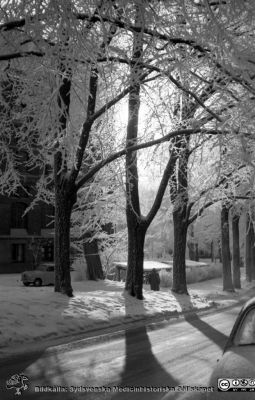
x=96 y=217
x=226 y=87
x=59 y=47
x=79 y=60
x=236 y=247
x=72 y=61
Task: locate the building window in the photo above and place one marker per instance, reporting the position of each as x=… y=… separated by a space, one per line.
x=18 y=252
x=48 y=252
x=18 y=219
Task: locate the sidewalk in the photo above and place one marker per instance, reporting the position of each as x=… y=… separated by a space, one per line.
x=32 y=315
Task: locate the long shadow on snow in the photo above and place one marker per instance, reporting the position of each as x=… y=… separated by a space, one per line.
x=193 y=319
x=142 y=369
x=38 y=367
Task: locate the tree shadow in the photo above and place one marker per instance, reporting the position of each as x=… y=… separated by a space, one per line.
x=36 y=364
x=40 y=370
x=36 y=368
x=142 y=369
x=208 y=330
x=193 y=319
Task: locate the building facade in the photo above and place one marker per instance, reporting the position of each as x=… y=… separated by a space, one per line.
x=25 y=239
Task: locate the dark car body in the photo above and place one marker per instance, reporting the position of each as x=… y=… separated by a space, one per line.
x=234 y=375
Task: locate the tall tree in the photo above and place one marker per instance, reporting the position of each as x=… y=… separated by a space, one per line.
x=185 y=110
x=73 y=39
x=192 y=245
x=138 y=224
x=56 y=41
x=249 y=248
x=226 y=260
x=236 y=251
x=66 y=31
x=179 y=197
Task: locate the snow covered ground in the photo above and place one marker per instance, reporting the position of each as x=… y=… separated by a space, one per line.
x=32 y=315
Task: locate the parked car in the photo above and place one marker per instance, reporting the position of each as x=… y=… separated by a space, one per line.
x=234 y=375
x=43 y=275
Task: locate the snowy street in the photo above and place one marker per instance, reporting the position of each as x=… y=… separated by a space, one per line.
x=32 y=317
x=179 y=354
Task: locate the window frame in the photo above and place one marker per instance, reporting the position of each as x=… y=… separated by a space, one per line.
x=17 y=220
x=15 y=252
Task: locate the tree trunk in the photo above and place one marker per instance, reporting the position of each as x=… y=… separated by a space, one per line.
x=196 y=252
x=212 y=251
x=180 y=235
x=220 y=250
x=252 y=241
x=226 y=262
x=136 y=235
x=134 y=278
x=180 y=199
x=63 y=208
x=249 y=243
x=191 y=243
x=192 y=250
x=94 y=265
x=236 y=252
x=253 y=255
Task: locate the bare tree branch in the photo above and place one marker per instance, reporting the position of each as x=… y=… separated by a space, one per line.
x=204 y=192
x=20 y=54
x=140 y=146
x=161 y=190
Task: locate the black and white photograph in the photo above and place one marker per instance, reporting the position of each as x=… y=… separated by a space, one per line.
x=127 y=199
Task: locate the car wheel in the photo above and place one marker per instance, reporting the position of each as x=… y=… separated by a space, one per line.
x=26 y=283
x=38 y=282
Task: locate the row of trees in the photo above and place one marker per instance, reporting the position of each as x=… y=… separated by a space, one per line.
x=72 y=65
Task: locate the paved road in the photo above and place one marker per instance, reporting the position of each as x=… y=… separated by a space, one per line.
x=181 y=353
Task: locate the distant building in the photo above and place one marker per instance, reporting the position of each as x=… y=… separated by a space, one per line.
x=24 y=240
